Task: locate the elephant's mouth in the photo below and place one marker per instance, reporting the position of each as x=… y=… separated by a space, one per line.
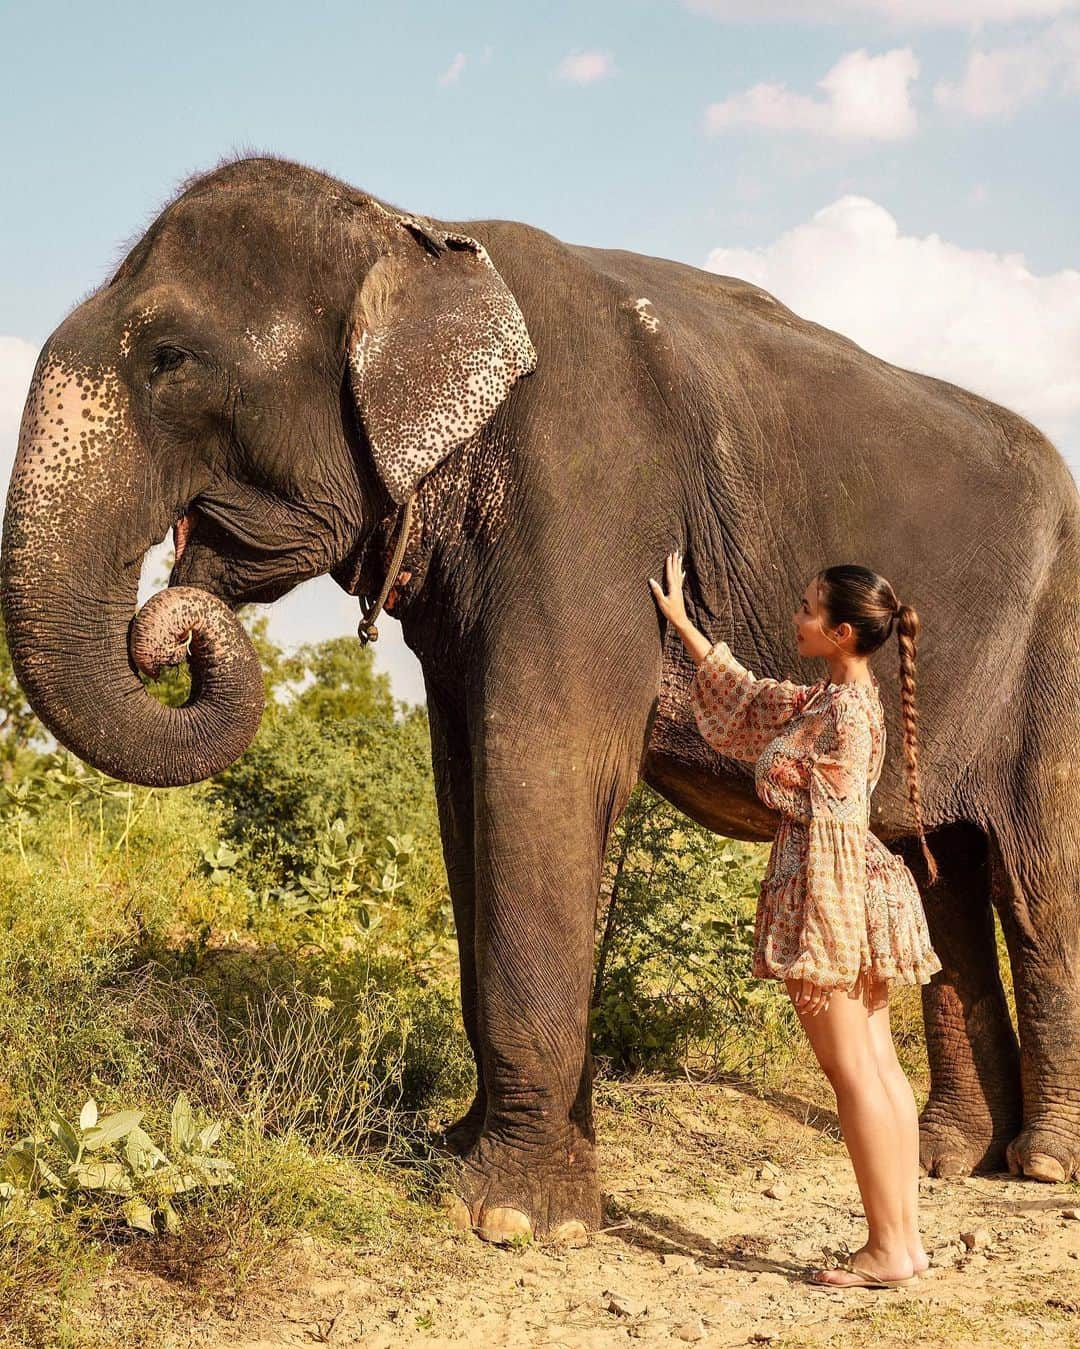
x=217 y=548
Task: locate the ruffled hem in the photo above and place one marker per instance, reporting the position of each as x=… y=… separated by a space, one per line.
x=889 y=971
x=895 y=942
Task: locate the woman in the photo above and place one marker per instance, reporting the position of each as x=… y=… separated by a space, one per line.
x=839 y=916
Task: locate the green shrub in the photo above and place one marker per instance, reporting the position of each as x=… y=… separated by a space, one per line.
x=111 y=1169
x=672 y=986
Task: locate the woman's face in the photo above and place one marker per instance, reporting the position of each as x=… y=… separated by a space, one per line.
x=810 y=621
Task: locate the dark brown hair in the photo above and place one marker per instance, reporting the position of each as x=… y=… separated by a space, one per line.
x=859 y=596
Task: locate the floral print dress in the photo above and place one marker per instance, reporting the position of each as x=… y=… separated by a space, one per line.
x=836 y=906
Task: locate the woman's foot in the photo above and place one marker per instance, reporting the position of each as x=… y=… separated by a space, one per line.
x=882 y=1264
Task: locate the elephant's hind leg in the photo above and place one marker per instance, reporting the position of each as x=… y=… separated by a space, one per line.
x=1037 y=889
x=974 y=1106
x=1035 y=865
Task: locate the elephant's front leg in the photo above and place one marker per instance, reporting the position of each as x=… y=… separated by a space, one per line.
x=542 y=819
x=451 y=760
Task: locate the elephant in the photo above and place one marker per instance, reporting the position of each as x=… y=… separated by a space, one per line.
x=299 y=378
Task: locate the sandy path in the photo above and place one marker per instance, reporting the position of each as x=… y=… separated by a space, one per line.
x=717 y=1203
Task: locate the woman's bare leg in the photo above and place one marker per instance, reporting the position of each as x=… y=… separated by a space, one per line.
x=841 y=1040
x=906 y=1111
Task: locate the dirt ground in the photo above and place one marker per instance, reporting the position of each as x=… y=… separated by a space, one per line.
x=718 y=1202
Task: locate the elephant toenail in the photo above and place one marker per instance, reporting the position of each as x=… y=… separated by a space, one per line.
x=457 y=1211
x=504 y=1224
x=572 y=1232
x=1041 y=1167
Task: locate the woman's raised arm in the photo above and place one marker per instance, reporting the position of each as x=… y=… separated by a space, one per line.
x=737 y=712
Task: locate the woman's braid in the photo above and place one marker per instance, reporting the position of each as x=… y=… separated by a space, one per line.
x=907 y=630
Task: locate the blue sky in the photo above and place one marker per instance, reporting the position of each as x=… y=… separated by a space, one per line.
x=902 y=170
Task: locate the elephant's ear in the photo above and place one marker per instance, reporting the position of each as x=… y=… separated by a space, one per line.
x=437 y=342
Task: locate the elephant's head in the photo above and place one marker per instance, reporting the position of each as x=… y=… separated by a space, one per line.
x=277 y=360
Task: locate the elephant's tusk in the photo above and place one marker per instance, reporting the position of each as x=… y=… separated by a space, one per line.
x=182 y=532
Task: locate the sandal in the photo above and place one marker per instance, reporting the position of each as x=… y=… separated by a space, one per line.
x=866 y=1279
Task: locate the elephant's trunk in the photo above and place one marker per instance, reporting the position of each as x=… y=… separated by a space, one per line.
x=80 y=517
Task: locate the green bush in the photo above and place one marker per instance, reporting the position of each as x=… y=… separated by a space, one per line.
x=336 y=749
x=110 y=1166
x=672 y=986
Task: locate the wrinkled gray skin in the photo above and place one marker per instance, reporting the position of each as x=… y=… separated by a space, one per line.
x=281 y=359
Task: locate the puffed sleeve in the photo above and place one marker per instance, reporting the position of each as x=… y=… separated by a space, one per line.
x=737 y=712
x=834 y=937
x=782 y=781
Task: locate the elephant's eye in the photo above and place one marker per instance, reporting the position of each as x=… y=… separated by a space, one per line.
x=166 y=359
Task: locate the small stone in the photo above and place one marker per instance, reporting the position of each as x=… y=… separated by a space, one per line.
x=976 y=1239
x=622 y=1305
x=1071 y=1213
x=677 y=1263
x=778 y=1190
x=690 y=1331
x=696 y=1124
x=768 y=1169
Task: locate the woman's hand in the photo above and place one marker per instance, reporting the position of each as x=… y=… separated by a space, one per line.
x=672 y=604
x=809 y=999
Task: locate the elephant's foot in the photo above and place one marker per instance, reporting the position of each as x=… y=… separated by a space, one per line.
x=505 y=1193
x=955 y=1140
x=1047 y=1148
x=460 y=1136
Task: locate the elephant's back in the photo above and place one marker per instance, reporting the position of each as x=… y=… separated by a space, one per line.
x=802 y=450
x=829 y=387
x=835 y=407
x=818 y=452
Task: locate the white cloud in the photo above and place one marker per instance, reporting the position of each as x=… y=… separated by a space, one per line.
x=925 y=13
x=1001 y=79
x=976 y=318
x=585 y=67
x=452 y=73
x=866 y=98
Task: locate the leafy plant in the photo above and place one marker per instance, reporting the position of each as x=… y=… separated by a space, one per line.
x=60 y=778
x=672 y=984
x=220 y=861
x=114 y=1159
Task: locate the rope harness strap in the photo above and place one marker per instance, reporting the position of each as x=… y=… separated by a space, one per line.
x=367 y=631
